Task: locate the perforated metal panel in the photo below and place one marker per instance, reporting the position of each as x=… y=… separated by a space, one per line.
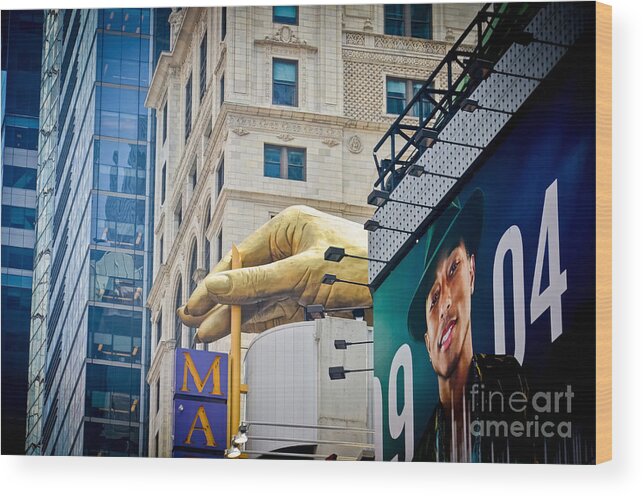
x=554 y=28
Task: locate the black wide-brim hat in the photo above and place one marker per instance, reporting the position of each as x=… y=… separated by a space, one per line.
x=457 y=223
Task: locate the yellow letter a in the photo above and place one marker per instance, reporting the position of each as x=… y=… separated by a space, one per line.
x=205 y=428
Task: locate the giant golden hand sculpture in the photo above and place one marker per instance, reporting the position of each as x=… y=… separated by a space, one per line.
x=283 y=265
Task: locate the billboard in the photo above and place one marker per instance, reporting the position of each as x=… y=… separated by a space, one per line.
x=485 y=330
x=200 y=403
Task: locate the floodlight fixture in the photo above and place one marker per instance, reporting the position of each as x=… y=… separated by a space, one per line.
x=469 y=105
x=334 y=254
x=339 y=372
x=429 y=137
x=329 y=279
x=314 y=312
x=373 y=225
x=379 y=198
x=342 y=344
x=233 y=452
x=241 y=437
x=337 y=254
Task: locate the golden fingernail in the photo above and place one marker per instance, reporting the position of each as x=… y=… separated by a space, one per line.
x=218 y=284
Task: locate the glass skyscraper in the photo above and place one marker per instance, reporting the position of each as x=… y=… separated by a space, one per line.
x=91 y=352
x=21 y=52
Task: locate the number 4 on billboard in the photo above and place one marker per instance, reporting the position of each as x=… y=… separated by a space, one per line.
x=549 y=239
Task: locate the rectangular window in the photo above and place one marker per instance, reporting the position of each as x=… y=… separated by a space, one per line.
x=220 y=245
x=221 y=90
x=18 y=217
x=203 y=65
x=399 y=93
x=17 y=258
x=178 y=217
x=192 y=177
x=164 y=122
x=19 y=177
x=220 y=177
x=161 y=250
x=115 y=334
x=188 y=107
x=224 y=22
x=284 y=82
x=159 y=329
x=112 y=393
x=20 y=137
x=163 y=182
x=119 y=167
x=284 y=162
x=158 y=405
x=286 y=14
x=414 y=20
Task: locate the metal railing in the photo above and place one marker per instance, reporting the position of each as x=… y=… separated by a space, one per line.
x=496 y=27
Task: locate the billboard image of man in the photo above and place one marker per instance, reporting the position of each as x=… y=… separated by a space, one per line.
x=440 y=315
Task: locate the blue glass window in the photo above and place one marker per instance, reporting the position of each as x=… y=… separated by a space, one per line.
x=115 y=334
x=296 y=164
x=19 y=177
x=116 y=277
x=107 y=439
x=118 y=221
x=395 y=96
x=135 y=21
x=284 y=82
x=284 y=162
x=18 y=217
x=399 y=93
x=413 y=20
x=21 y=137
x=285 y=14
x=119 y=167
x=272 y=161
x=17 y=258
x=113 y=392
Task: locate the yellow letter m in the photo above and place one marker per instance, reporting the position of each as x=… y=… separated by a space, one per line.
x=214 y=370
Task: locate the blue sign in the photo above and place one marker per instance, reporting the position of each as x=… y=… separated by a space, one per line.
x=201 y=374
x=200 y=425
x=200 y=404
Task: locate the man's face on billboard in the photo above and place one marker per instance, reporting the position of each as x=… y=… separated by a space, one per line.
x=448 y=309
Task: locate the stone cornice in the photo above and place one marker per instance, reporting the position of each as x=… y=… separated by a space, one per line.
x=176 y=58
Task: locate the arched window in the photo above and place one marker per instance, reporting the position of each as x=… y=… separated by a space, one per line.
x=193 y=267
x=206 y=241
x=178 y=325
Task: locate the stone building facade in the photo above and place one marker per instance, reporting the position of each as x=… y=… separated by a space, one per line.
x=259 y=108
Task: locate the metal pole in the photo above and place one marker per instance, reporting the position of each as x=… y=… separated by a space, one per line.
x=235 y=354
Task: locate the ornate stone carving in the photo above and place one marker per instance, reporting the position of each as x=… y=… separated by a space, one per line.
x=355 y=39
x=330 y=142
x=368 y=25
x=355 y=144
x=285 y=35
x=283 y=127
x=239 y=131
x=285 y=137
x=449 y=37
x=405 y=44
x=175 y=19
